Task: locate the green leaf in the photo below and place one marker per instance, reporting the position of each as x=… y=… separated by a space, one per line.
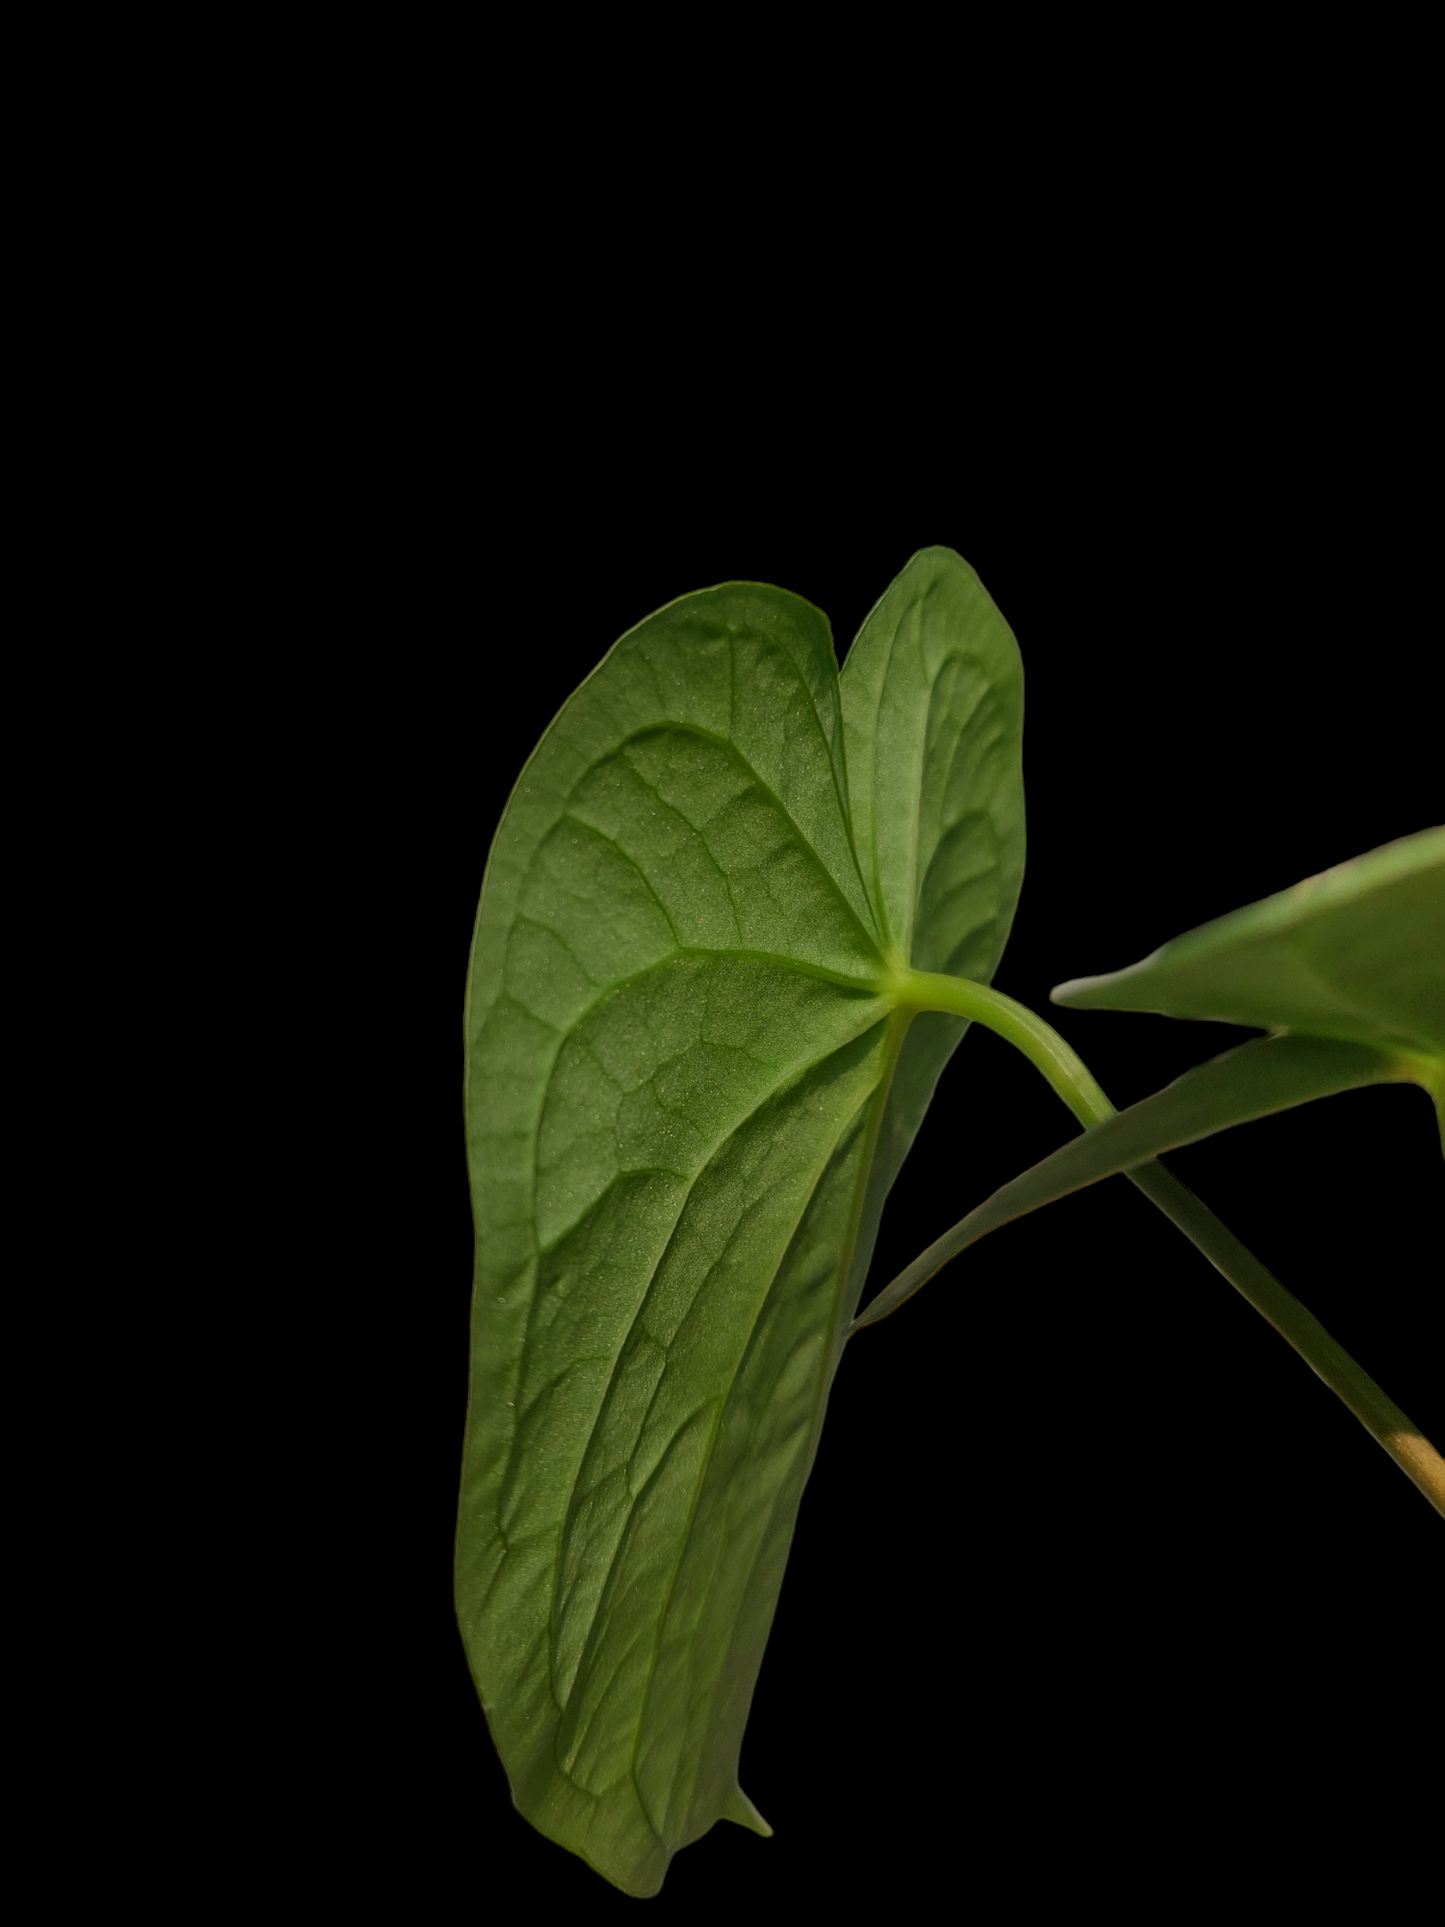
x=690 y=1082
x=1267 y=1074
x=1357 y=953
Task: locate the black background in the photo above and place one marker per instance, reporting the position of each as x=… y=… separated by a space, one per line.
x=1088 y=1555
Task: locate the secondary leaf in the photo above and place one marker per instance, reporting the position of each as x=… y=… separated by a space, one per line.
x=689 y=1086
x=1267 y=1074
x=1355 y=953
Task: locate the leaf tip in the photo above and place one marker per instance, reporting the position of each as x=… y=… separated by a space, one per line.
x=741 y=1810
x=1065 y=993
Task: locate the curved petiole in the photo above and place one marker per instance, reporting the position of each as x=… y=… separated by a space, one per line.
x=1075 y=1084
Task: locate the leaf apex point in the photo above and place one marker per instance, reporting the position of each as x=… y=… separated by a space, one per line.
x=743 y=1813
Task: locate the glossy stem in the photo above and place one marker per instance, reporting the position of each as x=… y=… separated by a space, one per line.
x=1075 y=1084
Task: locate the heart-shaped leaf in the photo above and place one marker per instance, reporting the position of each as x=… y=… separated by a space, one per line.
x=689 y=1087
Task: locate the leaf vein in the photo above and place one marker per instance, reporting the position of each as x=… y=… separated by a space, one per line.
x=793 y=1076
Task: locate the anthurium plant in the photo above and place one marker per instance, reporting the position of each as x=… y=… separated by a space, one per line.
x=739 y=913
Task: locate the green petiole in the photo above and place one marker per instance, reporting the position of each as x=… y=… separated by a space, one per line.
x=1040 y=1043
x=1071 y=1079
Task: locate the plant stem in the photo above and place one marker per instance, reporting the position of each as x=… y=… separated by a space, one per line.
x=1072 y=1080
x=1326 y=1358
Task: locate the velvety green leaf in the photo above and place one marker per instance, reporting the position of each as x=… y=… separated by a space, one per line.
x=1357 y=953
x=1267 y=1074
x=685 y=1103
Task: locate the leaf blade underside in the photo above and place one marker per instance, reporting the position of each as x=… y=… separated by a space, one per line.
x=687 y=1095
